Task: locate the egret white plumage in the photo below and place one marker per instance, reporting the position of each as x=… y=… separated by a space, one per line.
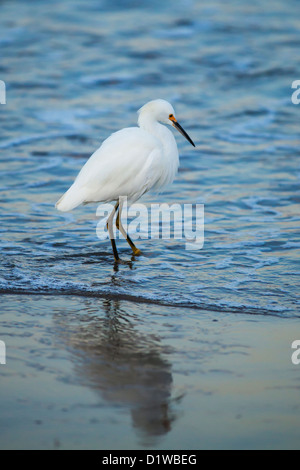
x=129 y=163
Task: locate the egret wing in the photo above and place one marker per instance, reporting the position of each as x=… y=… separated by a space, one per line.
x=126 y=164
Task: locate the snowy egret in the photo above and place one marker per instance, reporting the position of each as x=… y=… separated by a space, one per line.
x=129 y=163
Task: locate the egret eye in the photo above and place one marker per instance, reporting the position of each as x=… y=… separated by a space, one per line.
x=170 y=116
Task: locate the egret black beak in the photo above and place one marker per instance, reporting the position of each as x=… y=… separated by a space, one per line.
x=181 y=130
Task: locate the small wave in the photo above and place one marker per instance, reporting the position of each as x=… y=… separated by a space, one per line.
x=108 y=79
x=52 y=286
x=291 y=245
x=48 y=165
x=35 y=137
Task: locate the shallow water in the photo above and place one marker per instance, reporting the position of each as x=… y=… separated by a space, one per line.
x=75 y=72
x=87 y=373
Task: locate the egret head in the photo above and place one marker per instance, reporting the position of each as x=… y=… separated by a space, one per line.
x=162 y=111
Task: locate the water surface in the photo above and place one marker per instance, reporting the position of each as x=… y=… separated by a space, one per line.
x=77 y=71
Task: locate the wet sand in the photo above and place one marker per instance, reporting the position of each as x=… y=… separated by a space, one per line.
x=107 y=374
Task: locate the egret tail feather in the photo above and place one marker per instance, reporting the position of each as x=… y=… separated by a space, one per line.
x=69 y=201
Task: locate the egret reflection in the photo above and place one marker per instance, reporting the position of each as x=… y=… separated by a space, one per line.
x=123 y=366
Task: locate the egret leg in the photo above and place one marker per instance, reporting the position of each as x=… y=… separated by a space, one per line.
x=120 y=227
x=111 y=231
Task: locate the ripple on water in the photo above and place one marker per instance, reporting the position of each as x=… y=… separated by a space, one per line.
x=84 y=83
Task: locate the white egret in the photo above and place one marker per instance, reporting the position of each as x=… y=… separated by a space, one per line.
x=129 y=163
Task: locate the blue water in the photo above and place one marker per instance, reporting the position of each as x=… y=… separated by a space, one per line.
x=76 y=71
